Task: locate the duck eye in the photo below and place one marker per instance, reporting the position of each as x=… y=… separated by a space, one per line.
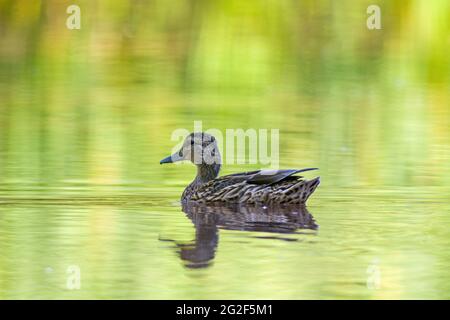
x=192 y=142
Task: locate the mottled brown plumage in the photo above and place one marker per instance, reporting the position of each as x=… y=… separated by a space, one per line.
x=255 y=187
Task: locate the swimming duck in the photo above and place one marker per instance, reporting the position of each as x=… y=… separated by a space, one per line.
x=255 y=187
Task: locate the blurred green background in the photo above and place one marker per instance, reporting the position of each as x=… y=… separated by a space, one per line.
x=86 y=115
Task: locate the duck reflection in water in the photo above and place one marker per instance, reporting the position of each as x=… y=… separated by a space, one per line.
x=208 y=219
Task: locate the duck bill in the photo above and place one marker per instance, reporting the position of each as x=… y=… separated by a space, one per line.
x=170 y=159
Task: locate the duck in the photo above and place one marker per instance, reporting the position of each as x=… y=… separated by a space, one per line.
x=262 y=187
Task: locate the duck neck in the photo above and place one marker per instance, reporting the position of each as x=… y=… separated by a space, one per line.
x=206 y=172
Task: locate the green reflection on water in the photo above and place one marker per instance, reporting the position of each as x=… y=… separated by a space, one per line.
x=86 y=115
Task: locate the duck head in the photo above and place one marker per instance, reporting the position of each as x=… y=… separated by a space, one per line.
x=200 y=148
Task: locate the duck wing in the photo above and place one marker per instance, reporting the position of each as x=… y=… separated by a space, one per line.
x=267 y=177
x=274 y=176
